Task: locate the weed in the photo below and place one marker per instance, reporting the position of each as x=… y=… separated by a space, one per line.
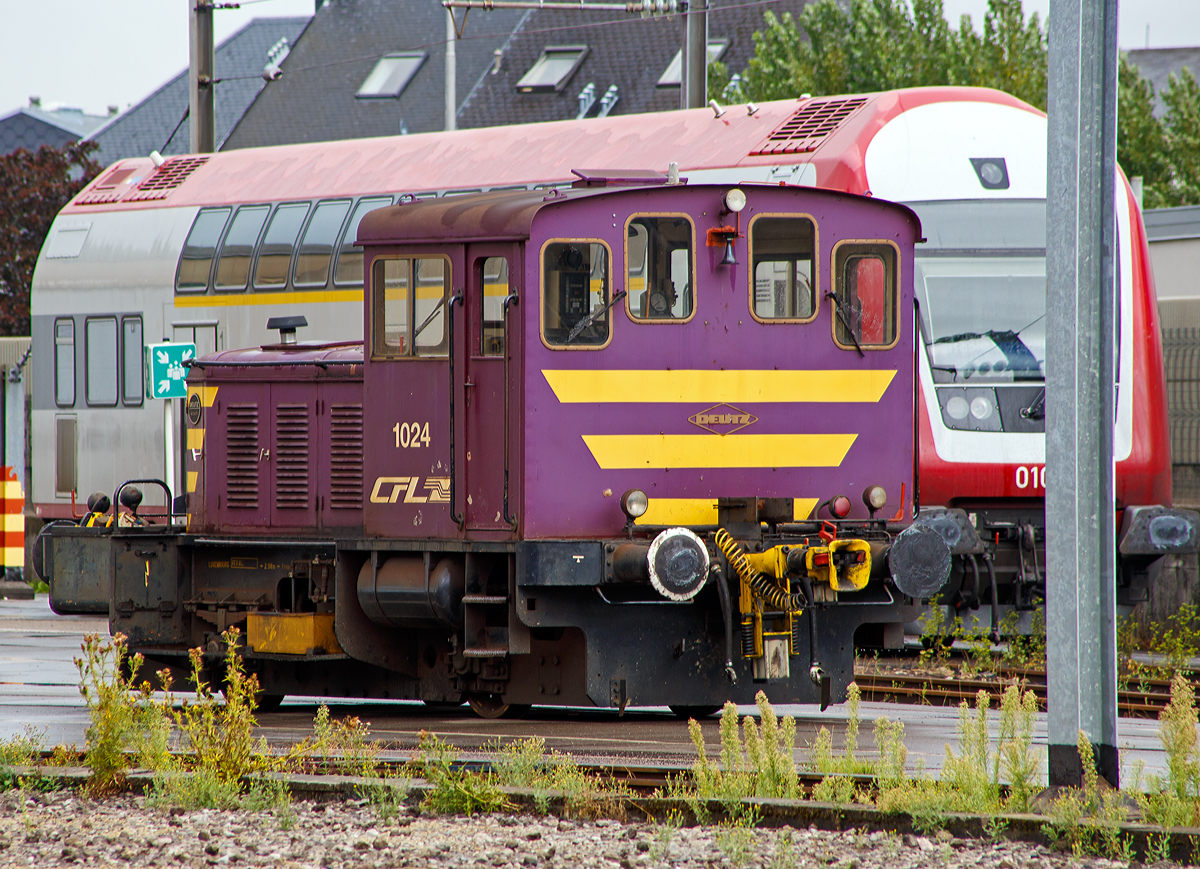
x=387 y=797
x=124 y=716
x=521 y=763
x=344 y=744
x=893 y=753
x=1026 y=651
x=736 y=840
x=759 y=762
x=664 y=832
x=1171 y=801
x=454 y=790
x=783 y=855
x=969 y=773
x=936 y=634
x=1015 y=755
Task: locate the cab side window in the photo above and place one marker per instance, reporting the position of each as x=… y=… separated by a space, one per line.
x=865 y=295
x=658 y=257
x=409 y=307
x=576 y=306
x=783 y=286
x=198 y=250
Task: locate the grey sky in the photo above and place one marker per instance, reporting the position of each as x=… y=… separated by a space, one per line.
x=93 y=54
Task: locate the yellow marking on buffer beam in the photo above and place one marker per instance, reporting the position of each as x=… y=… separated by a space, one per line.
x=613 y=452
x=703 y=511
x=694 y=386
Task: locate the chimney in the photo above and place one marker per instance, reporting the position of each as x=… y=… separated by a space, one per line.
x=112 y=111
x=35 y=102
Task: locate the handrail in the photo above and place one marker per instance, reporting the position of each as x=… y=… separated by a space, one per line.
x=457 y=298
x=511 y=299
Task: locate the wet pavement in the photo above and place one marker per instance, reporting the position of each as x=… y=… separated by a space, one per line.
x=39 y=688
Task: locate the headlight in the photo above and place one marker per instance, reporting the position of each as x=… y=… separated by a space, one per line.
x=634 y=503
x=874 y=497
x=957 y=407
x=735 y=200
x=981 y=407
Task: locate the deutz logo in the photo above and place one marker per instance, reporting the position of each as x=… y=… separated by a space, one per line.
x=722 y=419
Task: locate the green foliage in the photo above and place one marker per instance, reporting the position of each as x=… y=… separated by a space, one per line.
x=344 y=744
x=1164 y=150
x=1174 y=800
x=521 y=763
x=125 y=719
x=1019 y=764
x=1026 y=651
x=455 y=790
x=872 y=45
x=736 y=840
x=759 y=762
x=33 y=187
x=1088 y=819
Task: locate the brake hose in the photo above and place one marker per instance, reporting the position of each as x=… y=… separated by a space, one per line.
x=762 y=587
x=727 y=614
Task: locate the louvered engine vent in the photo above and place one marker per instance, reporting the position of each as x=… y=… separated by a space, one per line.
x=241 y=456
x=291 y=456
x=812 y=123
x=166 y=178
x=108 y=187
x=346 y=457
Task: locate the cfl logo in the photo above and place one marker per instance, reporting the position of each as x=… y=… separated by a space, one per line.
x=437 y=490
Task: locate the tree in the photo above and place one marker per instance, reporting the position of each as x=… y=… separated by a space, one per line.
x=33 y=187
x=1164 y=151
x=872 y=45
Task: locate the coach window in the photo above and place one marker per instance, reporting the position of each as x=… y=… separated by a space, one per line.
x=782 y=286
x=865 y=297
x=658 y=256
x=316 y=248
x=409 y=307
x=132 y=390
x=64 y=362
x=495 y=291
x=101 y=356
x=198 y=250
x=575 y=295
x=349 y=269
x=233 y=265
x=275 y=256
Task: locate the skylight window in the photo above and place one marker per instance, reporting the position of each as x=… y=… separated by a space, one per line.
x=674 y=71
x=391 y=75
x=553 y=69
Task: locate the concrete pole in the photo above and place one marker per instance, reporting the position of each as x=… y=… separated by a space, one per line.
x=201 y=92
x=451 y=72
x=1080 y=387
x=694 y=74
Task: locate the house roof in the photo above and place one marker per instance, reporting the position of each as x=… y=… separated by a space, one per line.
x=1158 y=64
x=315 y=100
x=1172 y=224
x=623 y=50
x=157 y=122
x=31 y=127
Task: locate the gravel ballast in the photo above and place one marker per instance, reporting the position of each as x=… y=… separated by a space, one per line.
x=62 y=828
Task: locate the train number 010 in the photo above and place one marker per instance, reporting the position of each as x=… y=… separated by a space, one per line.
x=411 y=434
x=1033 y=477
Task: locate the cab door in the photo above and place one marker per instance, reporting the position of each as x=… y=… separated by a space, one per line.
x=409 y=409
x=489 y=407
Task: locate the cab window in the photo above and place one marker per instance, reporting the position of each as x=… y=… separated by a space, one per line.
x=409 y=307
x=576 y=305
x=275 y=255
x=198 y=250
x=495 y=291
x=233 y=264
x=865 y=295
x=782 y=285
x=658 y=257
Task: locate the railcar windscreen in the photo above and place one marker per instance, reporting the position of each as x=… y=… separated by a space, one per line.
x=781 y=255
x=199 y=249
x=865 y=297
x=316 y=248
x=576 y=308
x=409 y=307
x=275 y=257
x=658 y=257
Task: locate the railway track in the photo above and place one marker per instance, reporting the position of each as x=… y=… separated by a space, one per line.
x=931 y=690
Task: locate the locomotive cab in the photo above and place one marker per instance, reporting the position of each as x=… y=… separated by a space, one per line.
x=601 y=446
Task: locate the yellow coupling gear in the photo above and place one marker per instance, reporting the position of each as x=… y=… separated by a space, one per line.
x=853 y=557
x=756 y=588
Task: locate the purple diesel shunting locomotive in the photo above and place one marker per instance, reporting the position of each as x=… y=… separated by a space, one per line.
x=602 y=446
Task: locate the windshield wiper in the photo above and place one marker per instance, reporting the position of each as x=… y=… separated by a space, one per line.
x=591 y=318
x=837 y=307
x=1037 y=407
x=437 y=309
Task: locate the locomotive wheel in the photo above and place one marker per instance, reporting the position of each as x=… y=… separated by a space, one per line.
x=686 y=712
x=493 y=706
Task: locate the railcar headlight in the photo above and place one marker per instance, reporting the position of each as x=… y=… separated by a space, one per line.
x=957 y=407
x=874 y=497
x=735 y=200
x=634 y=503
x=981 y=407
